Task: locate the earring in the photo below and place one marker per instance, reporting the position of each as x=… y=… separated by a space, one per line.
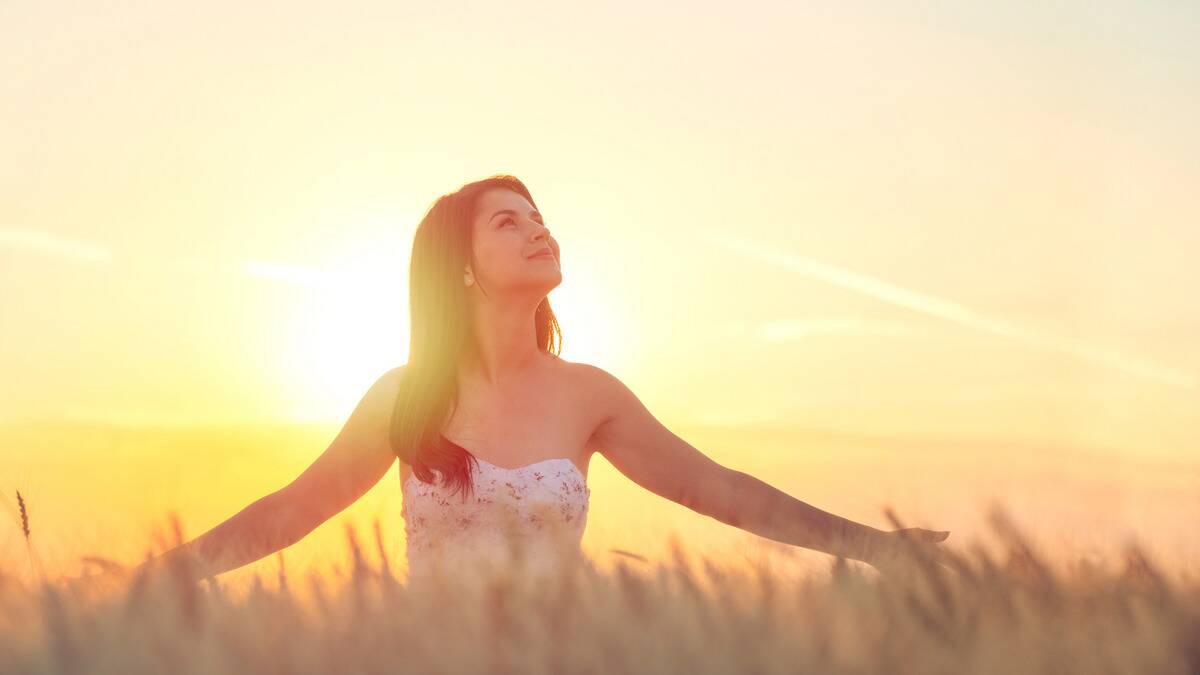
x=468 y=281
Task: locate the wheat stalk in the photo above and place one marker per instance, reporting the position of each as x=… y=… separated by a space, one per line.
x=24 y=515
x=34 y=562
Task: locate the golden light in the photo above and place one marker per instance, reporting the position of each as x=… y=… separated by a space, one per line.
x=352 y=329
x=593 y=331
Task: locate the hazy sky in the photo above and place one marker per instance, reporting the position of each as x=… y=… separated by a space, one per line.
x=946 y=220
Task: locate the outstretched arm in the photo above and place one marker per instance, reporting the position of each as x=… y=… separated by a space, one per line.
x=355 y=461
x=651 y=455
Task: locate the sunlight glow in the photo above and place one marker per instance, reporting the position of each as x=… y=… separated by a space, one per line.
x=352 y=329
x=592 y=331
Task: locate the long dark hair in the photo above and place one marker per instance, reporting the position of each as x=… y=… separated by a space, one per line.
x=439 y=333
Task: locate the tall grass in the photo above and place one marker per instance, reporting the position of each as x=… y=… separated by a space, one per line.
x=35 y=562
x=1011 y=612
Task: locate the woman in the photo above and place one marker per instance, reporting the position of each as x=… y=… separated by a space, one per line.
x=495 y=432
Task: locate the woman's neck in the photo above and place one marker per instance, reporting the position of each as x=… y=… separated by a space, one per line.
x=503 y=343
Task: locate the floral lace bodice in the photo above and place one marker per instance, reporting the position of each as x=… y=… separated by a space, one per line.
x=543 y=506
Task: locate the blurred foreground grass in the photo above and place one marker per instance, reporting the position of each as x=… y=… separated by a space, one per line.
x=1016 y=611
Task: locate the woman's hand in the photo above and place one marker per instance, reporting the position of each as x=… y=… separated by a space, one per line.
x=901 y=554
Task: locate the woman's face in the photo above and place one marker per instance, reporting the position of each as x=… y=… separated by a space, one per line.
x=508 y=235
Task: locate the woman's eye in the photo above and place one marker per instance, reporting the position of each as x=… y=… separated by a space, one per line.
x=508 y=221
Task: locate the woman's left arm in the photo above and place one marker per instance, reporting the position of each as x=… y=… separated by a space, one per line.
x=652 y=456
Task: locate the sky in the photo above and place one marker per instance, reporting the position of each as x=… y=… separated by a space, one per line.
x=973 y=222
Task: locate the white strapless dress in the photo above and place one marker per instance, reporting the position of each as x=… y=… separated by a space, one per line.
x=534 y=514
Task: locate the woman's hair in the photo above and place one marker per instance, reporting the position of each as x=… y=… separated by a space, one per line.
x=439 y=334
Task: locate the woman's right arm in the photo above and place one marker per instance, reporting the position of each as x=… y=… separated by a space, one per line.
x=353 y=463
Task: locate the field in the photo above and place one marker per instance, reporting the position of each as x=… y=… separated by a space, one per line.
x=1017 y=612
x=1051 y=577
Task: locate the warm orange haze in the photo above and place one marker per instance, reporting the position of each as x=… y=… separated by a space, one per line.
x=937 y=260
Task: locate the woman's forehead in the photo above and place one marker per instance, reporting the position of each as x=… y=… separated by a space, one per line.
x=499 y=199
x=498 y=194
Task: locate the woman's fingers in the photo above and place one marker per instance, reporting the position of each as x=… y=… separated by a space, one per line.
x=107 y=565
x=919 y=534
x=905 y=549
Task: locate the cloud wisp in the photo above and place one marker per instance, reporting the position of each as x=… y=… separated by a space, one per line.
x=781 y=330
x=311 y=277
x=54 y=245
x=951 y=311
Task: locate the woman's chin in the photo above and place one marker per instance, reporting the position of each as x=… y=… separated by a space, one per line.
x=551 y=281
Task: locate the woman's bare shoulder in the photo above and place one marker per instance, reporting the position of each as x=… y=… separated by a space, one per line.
x=595 y=375
x=392 y=378
x=603 y=390
x=577 y=370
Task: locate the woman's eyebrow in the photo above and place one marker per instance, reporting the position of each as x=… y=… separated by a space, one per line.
x=534 y=214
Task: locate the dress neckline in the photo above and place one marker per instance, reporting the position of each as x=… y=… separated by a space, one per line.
x=524 y=467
